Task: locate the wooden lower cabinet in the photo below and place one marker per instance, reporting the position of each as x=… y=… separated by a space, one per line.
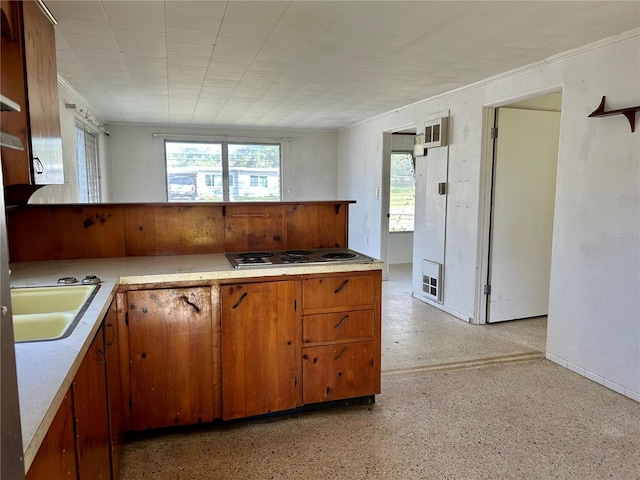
x=114 y=392
x=89 y=390
x=260 y=348
x=341 y=336
x=171 y=357
x=56 y=458
x=85 y=437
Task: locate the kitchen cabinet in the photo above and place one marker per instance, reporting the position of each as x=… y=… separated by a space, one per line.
x=260 y=331
x=114 y=392
x=56 y=456
x=171 y=357
x=341 y=336
x=30 y=72
x=90 y=413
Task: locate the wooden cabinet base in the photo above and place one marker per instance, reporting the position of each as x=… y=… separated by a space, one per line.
x=56 y=457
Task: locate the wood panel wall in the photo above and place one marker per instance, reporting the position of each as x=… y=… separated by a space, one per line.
x=63 y=231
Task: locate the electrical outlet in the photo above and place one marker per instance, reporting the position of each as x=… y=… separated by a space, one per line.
x=377 y=192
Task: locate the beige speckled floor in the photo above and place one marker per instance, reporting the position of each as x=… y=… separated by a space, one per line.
x=452 y=406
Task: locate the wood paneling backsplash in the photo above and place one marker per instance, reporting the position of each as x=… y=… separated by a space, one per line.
x=64 y=231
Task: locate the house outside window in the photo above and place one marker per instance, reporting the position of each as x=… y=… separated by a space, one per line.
x=224 y=171
x=402 y=193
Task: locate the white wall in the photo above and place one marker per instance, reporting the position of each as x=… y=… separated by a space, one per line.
x=594 y=310
x=137 y=163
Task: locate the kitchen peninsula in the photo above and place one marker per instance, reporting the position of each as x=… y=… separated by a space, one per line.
x=198 y=340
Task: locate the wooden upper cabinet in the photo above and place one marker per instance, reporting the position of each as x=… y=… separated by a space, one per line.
x=171 y=357
x=42 y=96
x=30 y=71
x=260 y=348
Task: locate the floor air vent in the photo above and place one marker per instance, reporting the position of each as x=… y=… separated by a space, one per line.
x=431 y=280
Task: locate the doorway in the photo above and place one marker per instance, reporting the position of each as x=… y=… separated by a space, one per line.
x=523 y=180
x=398 y=197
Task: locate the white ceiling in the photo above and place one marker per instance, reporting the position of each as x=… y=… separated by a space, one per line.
x=320 y=65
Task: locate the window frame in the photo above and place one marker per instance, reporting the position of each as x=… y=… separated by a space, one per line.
x=229 y=179
x=92 y=175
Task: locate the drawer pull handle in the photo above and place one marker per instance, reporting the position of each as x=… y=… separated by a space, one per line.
x=342 y=285
x=244 y=295
x=191 y=304
x=341 y=322
x=341 y=353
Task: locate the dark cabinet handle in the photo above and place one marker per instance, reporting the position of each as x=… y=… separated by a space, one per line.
x=102 y=356
x=37 y=170
x=341 y=353
x=341 y=322
x=191 y=304
x=244 y=295
x=342 y=285
x=113 y=334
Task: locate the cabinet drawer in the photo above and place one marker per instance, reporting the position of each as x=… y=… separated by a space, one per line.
x=329 y=327
x=335 y=372
x=339 y=291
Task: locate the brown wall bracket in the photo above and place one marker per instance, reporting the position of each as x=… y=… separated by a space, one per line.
x=629 y=112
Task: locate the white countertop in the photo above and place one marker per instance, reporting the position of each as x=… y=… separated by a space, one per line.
x=46 y=369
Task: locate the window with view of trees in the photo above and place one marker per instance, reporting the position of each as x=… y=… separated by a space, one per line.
x=222 y=171
x=402 y=193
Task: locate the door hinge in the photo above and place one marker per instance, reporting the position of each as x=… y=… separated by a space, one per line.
x=487 y=289
x=126 y=319
x=130 y=403
x=494 y=132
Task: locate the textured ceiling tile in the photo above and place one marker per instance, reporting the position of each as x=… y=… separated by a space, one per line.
x=158 y=39
x=145 y=16
x=82 y=26
x=312 y=64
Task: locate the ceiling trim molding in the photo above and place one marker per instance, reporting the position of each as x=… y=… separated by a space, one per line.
x=511 y=73
x=74 y=93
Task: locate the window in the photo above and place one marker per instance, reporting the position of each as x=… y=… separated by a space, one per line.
x=87 y=159
x=402 y=193
x=251 y=171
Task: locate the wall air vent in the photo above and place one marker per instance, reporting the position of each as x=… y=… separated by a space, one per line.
x=432 y=280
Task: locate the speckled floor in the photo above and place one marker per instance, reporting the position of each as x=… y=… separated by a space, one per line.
x=466 y=409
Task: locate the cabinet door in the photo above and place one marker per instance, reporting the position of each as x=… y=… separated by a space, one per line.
x=42 y=90
x=90 y=410
x=171 y=357
x=56 y=456
x=259 y=361
x=114 y=390
x=339 y=371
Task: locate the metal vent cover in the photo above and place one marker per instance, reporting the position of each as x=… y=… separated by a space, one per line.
x=432 y=280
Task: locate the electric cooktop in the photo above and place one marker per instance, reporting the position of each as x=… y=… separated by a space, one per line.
x=295 y=257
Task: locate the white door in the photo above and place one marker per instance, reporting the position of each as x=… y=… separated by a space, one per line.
x=524 y=170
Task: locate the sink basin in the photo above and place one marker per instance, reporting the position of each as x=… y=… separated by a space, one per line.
x=48 y=313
